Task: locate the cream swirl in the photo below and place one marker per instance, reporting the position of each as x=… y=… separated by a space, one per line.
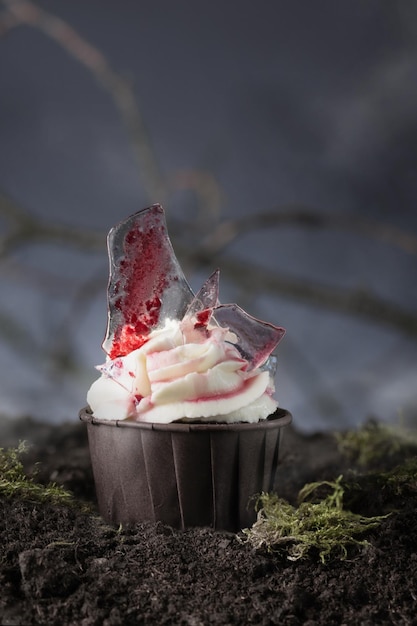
x=183 y=372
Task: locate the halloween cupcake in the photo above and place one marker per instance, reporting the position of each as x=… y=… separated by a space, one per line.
x=182 y=422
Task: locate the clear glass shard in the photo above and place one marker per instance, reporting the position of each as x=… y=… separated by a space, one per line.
x=205 y=300
x=146 y=284
x=270 y=365
x=255 y=339
x=114 y=370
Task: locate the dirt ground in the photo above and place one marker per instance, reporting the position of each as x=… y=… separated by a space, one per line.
x=61 y=566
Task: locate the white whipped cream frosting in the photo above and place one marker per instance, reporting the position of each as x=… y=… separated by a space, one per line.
x=183 y=372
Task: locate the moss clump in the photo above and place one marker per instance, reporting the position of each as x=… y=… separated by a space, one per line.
x=375 y=442
x=14 y=483
x=322 y=526
x=402 y=480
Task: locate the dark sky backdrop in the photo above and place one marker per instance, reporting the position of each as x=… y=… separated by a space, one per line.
x=306 y=103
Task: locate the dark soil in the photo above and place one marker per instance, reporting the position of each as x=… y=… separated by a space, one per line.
x=62 y=566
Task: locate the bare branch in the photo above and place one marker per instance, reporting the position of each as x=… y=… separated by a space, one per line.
x=7 y=23
x=360 y=303
x=156 y=185
x=27 y=229
x=26 y=275
x=207 y=189
x=27 y=12
x=303 y=217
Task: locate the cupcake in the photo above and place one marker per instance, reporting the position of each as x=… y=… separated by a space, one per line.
x=182 y=423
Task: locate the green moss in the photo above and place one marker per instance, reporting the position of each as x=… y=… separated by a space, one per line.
x=375 y=442
x=322 y=526
x=14 y=483
x=402 y=480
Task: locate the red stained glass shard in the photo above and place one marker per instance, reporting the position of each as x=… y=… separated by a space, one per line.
x=201 y=307
x=255 y=339
x=146 y=284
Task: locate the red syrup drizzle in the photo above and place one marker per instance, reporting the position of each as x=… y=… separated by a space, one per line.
x=203 y=318
x=141 y=286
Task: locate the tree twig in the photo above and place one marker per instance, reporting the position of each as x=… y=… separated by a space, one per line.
x=27 y=228
x=358 y=302
x=27 y=12
x=303 y=217
x=157 y=186
x=7 y=22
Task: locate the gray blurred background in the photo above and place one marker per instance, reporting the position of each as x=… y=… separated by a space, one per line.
x=280 y=138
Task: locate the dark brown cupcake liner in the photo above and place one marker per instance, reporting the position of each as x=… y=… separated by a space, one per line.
x=183 y=474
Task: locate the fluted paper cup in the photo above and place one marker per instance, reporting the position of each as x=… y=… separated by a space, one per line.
x=183 y=474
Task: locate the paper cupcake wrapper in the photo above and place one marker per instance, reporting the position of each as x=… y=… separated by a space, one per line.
x=183 y=474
